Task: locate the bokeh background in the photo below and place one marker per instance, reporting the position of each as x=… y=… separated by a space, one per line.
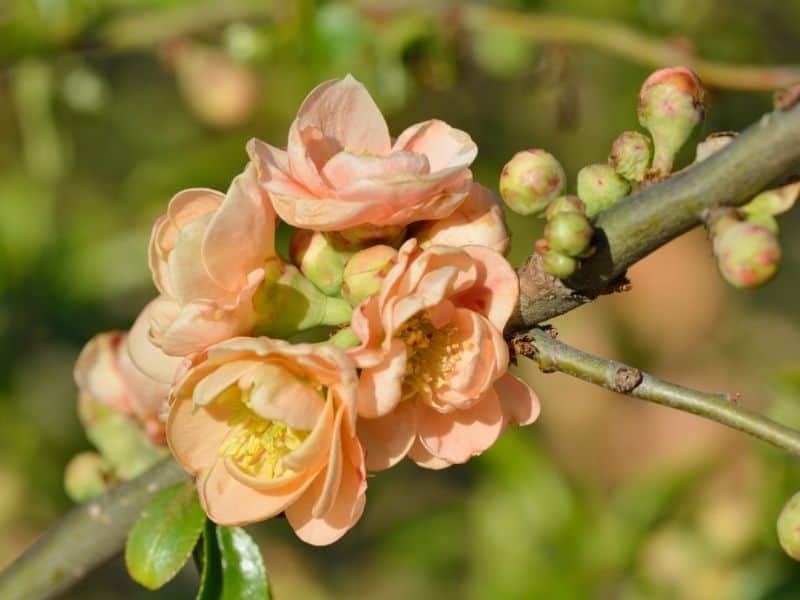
x=108 y=107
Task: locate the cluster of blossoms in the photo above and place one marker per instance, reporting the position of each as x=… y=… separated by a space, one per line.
x=397 y=283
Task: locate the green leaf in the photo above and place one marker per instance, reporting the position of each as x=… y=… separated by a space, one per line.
x=162 y=539
x=209 y=564
x=243 y=574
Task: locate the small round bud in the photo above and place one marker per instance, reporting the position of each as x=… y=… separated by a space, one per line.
x=713 y=143
x=86 y=476
x=365 y=272
x=568 y=233
x=671 y=104
x=318 y=260
x=630 y=155
x=559 y=265
x=565 y=204
x=748 y=255
x=530 y=180
x=599 y=186
x=789 y=527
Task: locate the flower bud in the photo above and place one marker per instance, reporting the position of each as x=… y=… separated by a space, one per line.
x=287 y=303
x=774 y=202
x=599 y=186
x=87 y=476
x=558 y=265
x=530 y=180
x=789 y=527
x=568 y=233
x=764 y=220
x=671 y=104
x=713 y=143
x=565 y=204
x=748 y=255
x=357 y=238
x=630 y=155
x=318 y=260
x=365 y=272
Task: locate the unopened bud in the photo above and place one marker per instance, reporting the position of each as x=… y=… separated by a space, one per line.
x=630 y=155
x=568 y=233
x=365 y=272
x=87 y=476
x=558 y=265
x=599 y=186
x=774 y=202
x=713 y=143
x=287 y=303
x=318 y=260
x=530 y=180
x=748 y=255
x=357 y=238
x=765 y=220
x=671 y=104
x=789 y=527
x=565 y=204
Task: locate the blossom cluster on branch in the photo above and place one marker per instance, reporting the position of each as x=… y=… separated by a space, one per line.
x=278 y=381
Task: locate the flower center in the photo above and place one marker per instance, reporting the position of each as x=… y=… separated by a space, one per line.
x=431 y=356
x=258 y=445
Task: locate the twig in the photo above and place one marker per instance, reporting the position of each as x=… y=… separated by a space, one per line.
x=553 y=355
x=629 y=44
x=648 y=219
x=87 y=536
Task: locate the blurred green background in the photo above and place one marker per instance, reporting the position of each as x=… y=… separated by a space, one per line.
x=108 y=107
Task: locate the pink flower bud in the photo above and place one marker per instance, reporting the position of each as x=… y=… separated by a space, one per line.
x=318 y=260
x=568 y=233
x=599 y=186
x=671 y=104
x=748 y=255
x=530 y=180
x=365 y=272
x=713 y=143
x=789 y=527
x=630 y=155
x=558 y=265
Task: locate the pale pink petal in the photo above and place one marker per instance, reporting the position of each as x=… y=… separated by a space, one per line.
x=380 y=387
x=188 y=277
x=388 y=439
x=147 y=395
x=520 y=403
x=346 y=168
x=444 y=146
x=459 y=435
x=498 y=292
x=147 y=357
x=97 y=372
x=219 y=380
x=195 y=436
x=420 y=455
x=276 y=394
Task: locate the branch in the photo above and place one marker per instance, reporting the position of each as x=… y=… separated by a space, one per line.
x=87 y=536
x=648 y=219
x=553 y=355
x=627 y=43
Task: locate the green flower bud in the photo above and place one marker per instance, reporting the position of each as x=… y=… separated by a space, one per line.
x=748 y=255
x=558 y=265
x=568 y=233
x=599 y=186
x=565 y=204
x=789 y=527
x=764 y=220
x=318 y=260
x=357 y=238
x=713 y=143
x=671 y=104
x=288 y=303
x=87 y=476
x=530 y=180
x=630 y=155
x=774 y=202
x=365 y=272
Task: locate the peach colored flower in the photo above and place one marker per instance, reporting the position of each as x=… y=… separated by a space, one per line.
x=479 y=221
x=434 y=381
x=207 y=256
x=104 y=372
x=269 y=427
x=341 y=168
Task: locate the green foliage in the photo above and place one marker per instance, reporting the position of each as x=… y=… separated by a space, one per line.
x=162 y=539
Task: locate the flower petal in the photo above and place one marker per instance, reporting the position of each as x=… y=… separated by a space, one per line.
x=520 y=403
x=388 y=439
